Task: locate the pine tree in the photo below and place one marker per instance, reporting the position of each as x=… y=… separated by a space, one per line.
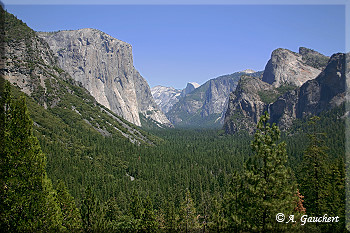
x=233 y=205
x=136 y=208
x=313 y=182
x=71 y=216
x=27 y=200
x=268 y=185
x=188 y=214
x=171 y=217
x=148 y=219
x=90 y=213
x=336 y=196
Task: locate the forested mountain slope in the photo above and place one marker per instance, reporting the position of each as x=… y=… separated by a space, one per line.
x=181 y=180
x=73 y=129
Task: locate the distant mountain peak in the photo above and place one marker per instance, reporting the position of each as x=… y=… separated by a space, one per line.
x=249 y=71
x=191 y=86
x=194 y=84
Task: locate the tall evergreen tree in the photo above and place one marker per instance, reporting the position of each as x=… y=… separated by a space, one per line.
x=268 y=185
x=149 y=219
x=171 y=217
x=71 y=215
x=232 y=205
x=28 y=201
x=188 y=214
x=90 y=213
x=314 y=170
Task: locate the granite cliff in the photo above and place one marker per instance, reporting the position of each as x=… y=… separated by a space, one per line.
x=282 y=95
x=246 y=105
x=314 y=97
x=288 y=68
x=166 y=97
x=104 y=66
x=31 y=67
x=205 y=106
x=191 y=86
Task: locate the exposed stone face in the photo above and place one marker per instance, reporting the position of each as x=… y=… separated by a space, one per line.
x=288 y=68
x=245 y=105
x=216 y=96
x=191 y=86
x=204 y=106
x=313 y=58
x=165 y=97
x=323 y=93
x=104 y=66
x=30 y=64
x=315 y=96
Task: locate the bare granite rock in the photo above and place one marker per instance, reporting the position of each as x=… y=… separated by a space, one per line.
x=165 y=97
x=104 y=66
x=252 y=97
x=288 y=68
x=245 y=105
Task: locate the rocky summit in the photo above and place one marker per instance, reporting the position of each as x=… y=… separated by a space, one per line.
x=314 y=97
x=246 y=104
x=104 y=66
x=288 y=68
x=191 y=86
x=281 y=93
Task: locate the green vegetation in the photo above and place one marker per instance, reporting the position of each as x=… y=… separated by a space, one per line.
x=266 y=186
x=270 y=96
x=192 y=179
x=16 y=29
x=71 y=168
x=27 y=199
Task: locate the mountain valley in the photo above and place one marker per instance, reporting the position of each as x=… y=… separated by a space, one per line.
x=88 y=146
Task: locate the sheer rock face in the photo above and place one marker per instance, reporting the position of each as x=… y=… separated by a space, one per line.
x=245 y=105
x=204 y=106
x=315 y=96
x=191 y=86
x=165 y=97
x=104 y=66
x=288 y=68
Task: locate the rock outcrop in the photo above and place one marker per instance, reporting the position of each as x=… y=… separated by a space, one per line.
x=313 y=58
x=205 y=106
x=31 y=65
x=191 y=86
x=104 y=66
x=288 y=68
x=253 y=96
x=165 y=97
x=245 y=105
x=315 y=96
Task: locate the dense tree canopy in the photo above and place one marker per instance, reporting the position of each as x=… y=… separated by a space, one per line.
x=190 y=180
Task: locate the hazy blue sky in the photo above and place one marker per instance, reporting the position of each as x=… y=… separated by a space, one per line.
x=176 y=44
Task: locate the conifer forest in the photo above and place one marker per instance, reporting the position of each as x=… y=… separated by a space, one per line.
x=70 y=164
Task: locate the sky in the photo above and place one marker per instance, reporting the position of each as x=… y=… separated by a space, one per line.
x=176 y=44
